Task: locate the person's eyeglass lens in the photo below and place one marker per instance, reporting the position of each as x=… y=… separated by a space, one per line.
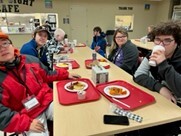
x=6 y=44
x=120 y=37
x=165 y=41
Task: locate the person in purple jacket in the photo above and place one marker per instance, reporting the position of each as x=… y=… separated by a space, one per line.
x=123 y=52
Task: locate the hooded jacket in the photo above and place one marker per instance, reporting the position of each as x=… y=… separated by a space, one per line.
x=100 y=41
x=167 y=73
x=28 y=78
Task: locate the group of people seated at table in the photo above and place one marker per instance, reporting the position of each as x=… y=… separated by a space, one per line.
x=39 y=46
x=26 y=97
x=123 y=52
x=25 y=75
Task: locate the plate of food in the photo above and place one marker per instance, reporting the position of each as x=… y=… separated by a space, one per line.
x=62 y=65
x=79 y=45
x=75 y=86
x=116 y=91
x=89 y=65
x=103 y=62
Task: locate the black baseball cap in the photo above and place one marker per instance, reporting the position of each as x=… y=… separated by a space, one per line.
x=42 y=28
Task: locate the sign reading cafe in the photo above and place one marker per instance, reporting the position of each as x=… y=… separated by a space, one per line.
x=13 y=5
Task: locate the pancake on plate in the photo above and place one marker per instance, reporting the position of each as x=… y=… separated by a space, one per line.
x=76 y=86
x=62 y=65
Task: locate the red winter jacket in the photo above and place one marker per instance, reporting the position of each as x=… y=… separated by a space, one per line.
x=30 y=77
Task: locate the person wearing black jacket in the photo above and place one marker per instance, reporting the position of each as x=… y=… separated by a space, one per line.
x=165 y=78
x=123 y=52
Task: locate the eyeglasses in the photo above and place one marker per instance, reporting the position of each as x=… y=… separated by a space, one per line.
x=165 y=41
x=120 y=37
x=6 y=44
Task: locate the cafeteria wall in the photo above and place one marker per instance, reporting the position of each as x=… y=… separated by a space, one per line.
x=100 y=13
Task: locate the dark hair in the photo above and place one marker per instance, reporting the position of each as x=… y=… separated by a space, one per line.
x=97 y=29
x=121 y=30
x=168 y=28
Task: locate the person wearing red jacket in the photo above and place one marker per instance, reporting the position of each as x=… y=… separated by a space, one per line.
x=26 y=100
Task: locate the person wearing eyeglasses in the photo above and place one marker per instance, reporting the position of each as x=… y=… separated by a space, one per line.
x=165 y=77
x=99 y=43
x=123 y=52
x=36 y=46
x=26 y=100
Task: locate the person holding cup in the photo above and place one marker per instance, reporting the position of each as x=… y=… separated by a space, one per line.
x=165 y=76
x=155 y=49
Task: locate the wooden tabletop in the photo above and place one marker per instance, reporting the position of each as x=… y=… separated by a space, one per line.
x=87 y=118
x=148 y=45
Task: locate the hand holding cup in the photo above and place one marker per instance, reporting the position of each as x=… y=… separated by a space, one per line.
x=155 y=49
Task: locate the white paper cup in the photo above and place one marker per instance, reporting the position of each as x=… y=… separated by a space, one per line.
x=156 y=48
x=81 y=95
x=144 y=40
x=66 y=41
x=75 y=42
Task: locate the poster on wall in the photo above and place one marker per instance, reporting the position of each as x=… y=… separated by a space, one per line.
x=125 y=21
x=48 y=4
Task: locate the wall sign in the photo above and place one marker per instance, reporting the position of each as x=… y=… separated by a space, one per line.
x=125 y=8
x=48 y=4
x=147 y=6
x=13 y=5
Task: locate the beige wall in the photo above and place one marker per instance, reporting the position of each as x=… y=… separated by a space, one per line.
x=101 y=13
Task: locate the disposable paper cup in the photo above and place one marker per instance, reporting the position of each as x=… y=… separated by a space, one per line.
x=75 y=42
x=156 y=48
x=66 y=41
x=81 y=95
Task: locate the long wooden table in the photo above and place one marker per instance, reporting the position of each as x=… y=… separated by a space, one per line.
x=147 y=46
x=87 y=118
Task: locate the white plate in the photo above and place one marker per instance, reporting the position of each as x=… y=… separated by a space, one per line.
x=106 y=91
x=74 y=90
x=79 y=44
x=104 y=64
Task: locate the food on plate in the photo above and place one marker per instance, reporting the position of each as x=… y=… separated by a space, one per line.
x=76 y=86
x=89 y=65
x=80 y=44
x=62 y=64
x=117 y=91
x=102 y=60
x=104 y=64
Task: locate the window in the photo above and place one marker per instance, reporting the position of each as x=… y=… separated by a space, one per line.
x=24 y=23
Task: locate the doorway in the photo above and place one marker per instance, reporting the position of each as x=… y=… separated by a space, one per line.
x=78 y=23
